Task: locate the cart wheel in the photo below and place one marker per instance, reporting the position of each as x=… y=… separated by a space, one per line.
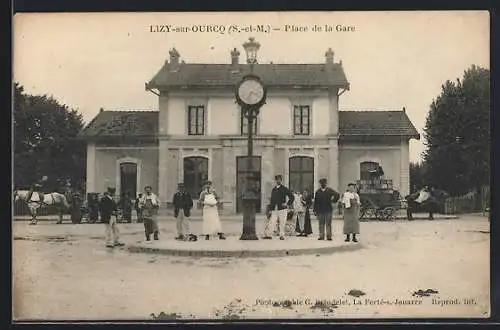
x=371 y=213
x=389 y=214
x=379 y=214
x=362 y=215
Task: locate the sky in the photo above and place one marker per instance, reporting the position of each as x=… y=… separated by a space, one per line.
x=391 y=59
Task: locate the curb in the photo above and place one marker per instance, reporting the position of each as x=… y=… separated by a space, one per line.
x=243 y=253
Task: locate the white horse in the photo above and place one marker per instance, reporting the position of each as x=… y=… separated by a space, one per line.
x=35 y=203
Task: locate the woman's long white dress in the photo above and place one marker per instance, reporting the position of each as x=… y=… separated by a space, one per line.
x=211 y=221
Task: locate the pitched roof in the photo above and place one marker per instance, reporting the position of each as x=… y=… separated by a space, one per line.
x=273 y=75
x=144 y=124
x=376 y=123
x=122 y=123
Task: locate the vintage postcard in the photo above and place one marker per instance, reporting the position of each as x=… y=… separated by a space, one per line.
x=253 y=165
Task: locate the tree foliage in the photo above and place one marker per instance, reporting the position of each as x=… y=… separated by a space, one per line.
x=457 y=131
x=44 y=141
x=418 y=176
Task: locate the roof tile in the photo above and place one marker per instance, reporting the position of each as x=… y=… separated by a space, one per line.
x=351 y=123
x=216 y=75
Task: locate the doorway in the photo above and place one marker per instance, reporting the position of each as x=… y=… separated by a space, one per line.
x=301 y=173
x=195 y=175
x=128 y=179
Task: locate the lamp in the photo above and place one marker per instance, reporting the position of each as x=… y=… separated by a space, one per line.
x=251 y=48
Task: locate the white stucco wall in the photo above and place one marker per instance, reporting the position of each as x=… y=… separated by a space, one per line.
x=106 y=167
x=176 y=116
x=351 y=156
x=321 y=116
x=223 y=115
x=275 y=116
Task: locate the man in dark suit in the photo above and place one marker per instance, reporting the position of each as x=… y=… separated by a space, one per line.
x=183 y=203
x=107 y=207
x=324 y=199
x=279 y=208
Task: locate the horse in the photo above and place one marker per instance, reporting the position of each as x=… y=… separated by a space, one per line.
x=53 y=198
x=428 y=199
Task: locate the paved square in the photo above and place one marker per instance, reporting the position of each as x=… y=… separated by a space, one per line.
x=65 y=272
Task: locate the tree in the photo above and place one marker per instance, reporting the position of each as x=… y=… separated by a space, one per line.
x=418 y=176
x=457 y=131
x=44 y=141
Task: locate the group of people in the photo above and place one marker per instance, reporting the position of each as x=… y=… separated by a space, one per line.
x=284 y=203
x=285 y=208
x=148 y=203
x=209 y=201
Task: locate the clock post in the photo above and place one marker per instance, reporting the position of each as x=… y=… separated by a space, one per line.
x=251 y=96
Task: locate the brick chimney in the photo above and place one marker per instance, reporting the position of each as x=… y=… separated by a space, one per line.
x=235 y=57
x=329 y=56
x=174 y=58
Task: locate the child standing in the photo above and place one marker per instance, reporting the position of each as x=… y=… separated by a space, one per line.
x=298 y=213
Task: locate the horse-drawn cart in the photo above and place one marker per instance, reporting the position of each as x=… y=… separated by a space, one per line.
x=379 y=200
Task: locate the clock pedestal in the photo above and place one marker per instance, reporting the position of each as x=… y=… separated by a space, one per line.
x=250 y=199
x=250 y=95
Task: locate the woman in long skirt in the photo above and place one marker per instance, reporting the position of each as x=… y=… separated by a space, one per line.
x=211 y=222
x=351 y=204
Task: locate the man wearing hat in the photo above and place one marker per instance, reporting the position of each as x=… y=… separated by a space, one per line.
x=183 y=203
x=281 y=199
x=324 y=199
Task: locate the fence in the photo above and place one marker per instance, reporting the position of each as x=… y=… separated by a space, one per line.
x=474 y=201
x=20 y=208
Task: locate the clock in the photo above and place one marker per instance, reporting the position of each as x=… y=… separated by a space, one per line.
x=251 y=91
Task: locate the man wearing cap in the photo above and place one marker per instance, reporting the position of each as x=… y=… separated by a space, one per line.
x=183 y=203
x=107 y=207
x=281 y=199
x=324 y=199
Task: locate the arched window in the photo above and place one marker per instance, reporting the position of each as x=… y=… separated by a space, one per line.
x=301 y=173
x=195 y=175
x=367 y=170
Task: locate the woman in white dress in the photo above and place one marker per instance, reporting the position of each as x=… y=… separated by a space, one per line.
x=211 y=222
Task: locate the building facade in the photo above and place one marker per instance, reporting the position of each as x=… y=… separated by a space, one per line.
x=199 y=134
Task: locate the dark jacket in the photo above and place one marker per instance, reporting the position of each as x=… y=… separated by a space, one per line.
x=278 y=197
x=182 y=201
x=323 y=200
x=107 y=206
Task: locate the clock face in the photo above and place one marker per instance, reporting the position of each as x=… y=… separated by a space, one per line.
x=251 y=91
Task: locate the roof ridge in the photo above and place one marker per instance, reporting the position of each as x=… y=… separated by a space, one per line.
x=371 y=111
x=130 y=111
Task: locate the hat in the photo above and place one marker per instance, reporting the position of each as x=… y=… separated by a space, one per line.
x=180 y=184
